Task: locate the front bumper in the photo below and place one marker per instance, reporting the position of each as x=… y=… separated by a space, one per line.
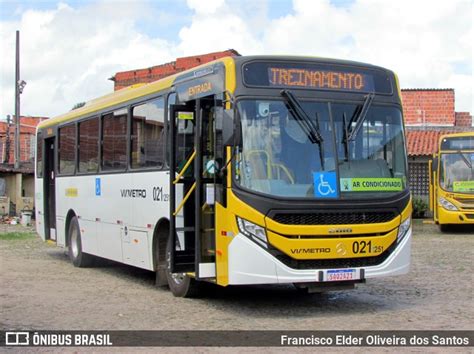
x=455 y=217
x=251 y=264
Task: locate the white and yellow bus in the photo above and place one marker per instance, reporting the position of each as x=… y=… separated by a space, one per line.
x=452 y=181
x=246 y=170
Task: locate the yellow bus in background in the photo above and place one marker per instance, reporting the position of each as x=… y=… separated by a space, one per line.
x=452 y=180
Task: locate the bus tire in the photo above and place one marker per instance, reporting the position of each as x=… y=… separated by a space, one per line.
x=159 y=256
x=444 y=227
x=180 y=284
x=77 y=257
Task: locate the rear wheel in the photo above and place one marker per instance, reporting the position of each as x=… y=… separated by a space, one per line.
x=180 y=284
x=77 y=257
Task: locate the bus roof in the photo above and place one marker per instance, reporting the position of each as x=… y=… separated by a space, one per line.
x=141 y=90
x=457 y=135
x=124 y=95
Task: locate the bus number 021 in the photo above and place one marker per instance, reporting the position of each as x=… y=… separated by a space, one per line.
x=158 y=195
x=361 y=246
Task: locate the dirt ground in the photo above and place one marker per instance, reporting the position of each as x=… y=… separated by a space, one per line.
x=40 y=289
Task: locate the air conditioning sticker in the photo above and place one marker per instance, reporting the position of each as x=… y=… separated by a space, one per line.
x=363 y=184
x=463 y=186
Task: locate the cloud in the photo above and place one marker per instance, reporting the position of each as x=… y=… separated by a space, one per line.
x=68 y=53
x=419 y=41
x=207 y=7
x=215 y=32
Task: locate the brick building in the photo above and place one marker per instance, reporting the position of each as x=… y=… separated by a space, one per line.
x=132 y=77
x=429 y=113
x=27 y=139
x=17 y=184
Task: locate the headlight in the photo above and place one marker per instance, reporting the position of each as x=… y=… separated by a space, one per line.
x=447 y=204
x=255 y=232
x=403 y=228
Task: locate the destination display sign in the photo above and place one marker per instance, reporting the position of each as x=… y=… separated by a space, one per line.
x=199 y=83
x=317 y=76
x=320 y=79
x=458 y=143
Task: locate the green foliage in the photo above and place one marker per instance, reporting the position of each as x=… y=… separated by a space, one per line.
x=78 y=105
x=16 y=236
x=420 y=207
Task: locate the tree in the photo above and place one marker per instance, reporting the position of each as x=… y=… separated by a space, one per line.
x=78 y=105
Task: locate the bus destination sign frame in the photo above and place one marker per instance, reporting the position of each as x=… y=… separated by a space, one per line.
x=317 y=76
x=320 y=79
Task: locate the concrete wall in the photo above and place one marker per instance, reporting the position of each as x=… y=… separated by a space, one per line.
x=20 y=189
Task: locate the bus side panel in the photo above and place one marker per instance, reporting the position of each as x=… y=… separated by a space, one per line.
x=117 y=213
x=60 y=231
x=146 y=212
x=113 y=195
x=39 y=208
x=71 y=194
x=89 y=235
x=95 y=200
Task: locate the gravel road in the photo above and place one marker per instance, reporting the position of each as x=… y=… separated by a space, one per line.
x=40 y=289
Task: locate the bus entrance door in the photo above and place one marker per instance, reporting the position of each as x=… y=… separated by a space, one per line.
x=182 y=186
x=192 y=187
x=49 y=191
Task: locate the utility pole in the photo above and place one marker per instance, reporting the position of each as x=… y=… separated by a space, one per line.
x=19 y=86
x=7 y=141
x=17 y=101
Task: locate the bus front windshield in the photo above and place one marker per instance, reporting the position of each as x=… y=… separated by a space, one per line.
x=279 y=155
x=457 y=172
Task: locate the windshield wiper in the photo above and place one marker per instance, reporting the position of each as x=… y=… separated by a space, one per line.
x=345 y=141
x=465 y=159
x=307 y=125
x=359 y=119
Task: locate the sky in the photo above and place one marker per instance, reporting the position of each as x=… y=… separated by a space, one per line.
x=70 y=48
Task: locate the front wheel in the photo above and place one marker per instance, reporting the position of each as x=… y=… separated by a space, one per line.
x=180 y=284
x=77 y=257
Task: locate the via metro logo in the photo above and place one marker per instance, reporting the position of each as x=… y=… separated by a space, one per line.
x=325 y=185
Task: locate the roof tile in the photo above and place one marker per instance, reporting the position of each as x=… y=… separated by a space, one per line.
x=424 y=142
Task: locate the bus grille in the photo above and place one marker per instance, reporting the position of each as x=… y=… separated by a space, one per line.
x=334 y=263
x=465 y=200
x=467 y=204
x=334 y=218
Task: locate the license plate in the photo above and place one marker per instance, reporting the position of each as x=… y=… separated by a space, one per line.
x=341 y=274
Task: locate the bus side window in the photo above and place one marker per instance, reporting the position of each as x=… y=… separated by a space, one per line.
x=67 y=149
x=114 y=140
x=147 y=135
x=39 y=155
x=88 y=147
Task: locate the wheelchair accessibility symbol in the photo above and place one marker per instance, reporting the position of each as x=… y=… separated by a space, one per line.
x=325 y=185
